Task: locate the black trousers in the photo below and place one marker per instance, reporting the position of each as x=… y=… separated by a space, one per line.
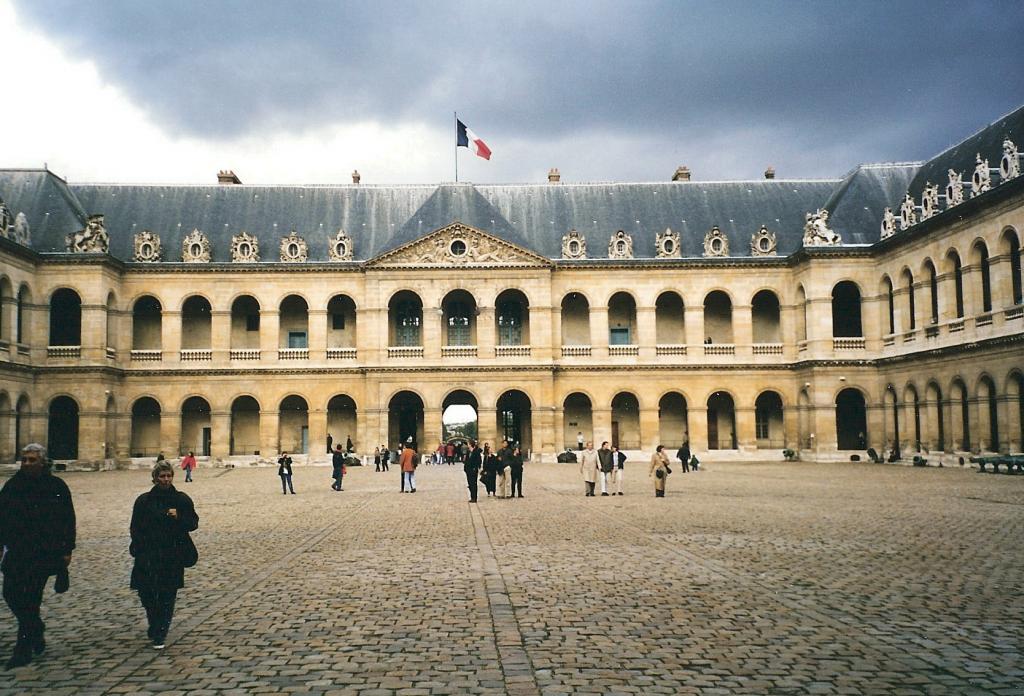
x=590 y=487
x=471 y=483
x=686 y=464
x=517 y=481
x=159 y=606
x=23 y=592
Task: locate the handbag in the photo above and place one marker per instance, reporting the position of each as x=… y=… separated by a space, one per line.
x=659 y=473
x=188 y=554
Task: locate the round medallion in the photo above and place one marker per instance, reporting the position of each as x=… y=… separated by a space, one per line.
x=457 y=247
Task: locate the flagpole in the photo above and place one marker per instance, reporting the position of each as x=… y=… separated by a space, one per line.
x=456 y=146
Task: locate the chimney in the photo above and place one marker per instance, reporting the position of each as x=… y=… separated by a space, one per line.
x=769 y=173
x=554 y=176
x=355 y=176
x=682 y=174
x=226 y=176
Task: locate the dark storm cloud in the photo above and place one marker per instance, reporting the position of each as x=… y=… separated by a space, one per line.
x=859 y=81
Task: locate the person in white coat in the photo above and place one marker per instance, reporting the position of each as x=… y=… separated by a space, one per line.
x=589 y=466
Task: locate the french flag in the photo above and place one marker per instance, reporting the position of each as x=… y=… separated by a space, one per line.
x=464 y=137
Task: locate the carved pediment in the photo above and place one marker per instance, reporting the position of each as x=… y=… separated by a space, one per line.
x=459 y=245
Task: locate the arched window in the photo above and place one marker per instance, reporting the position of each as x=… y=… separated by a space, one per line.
x=908 y=281
x=846 y=320
x=718 y=318
x=65 y=318
x=765 y=316
x=512 y=318
x=405 y=312
x=891 y=303
x=1011 y=244
x=982 y=261
x=146 y=323
x=958 y=283
x=933 y=291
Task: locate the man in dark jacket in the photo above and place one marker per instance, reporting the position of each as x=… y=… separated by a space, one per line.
x=604 y=456
x=472 y=468
x=338 y=462
x=37 y=527
x=683 y=455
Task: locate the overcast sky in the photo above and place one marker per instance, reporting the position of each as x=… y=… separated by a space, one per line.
x=305 y=92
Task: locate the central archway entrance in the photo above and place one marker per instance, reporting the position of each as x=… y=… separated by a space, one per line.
x=514 y=419
x=459 y=416
x=405 y=419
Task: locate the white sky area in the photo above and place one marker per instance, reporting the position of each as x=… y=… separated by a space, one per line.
x=458 y=413
x=84 y=129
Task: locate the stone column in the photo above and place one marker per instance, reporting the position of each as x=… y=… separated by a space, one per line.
x=545 y=331
x=694 y=327
x=368 y=425
x=647 y=334
x=372 y=337
x=697 y=422
x=121 y=451
x=788 y=330
x=220 y=434
x=599 y=332
x=487 y=425
x=94 y=333
x=743 y=331
x=433 y=333
x=876 y=418
x=602 y=419
x=92 y=435
x=220 y=335
x=269 y=425
x=871 y=315
x=316 y=420
x=270 y=329
x=650 y=429
x=543 y=421
x=1009 y=421
x=746 y=431
x=170 y=433
x=558 y=429
x=946 y=287
x=819 y=325
x=972 y=292
x=556 y=332
x=790 y=426
x=432 y=428
x=170 y=339
x=317 y=319
x=485 y=330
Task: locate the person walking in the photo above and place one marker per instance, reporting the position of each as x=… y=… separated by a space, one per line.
x=284 y=470
x=683 y=455
x=505 y=469
x=659 y=470
x=188 y=463
x=604 y=456
x=162 y=549
x=397 y=460
x=449 y=453
x=490 y=470
x=589 y=465
x=338 y=466
x=376 y=458
x=330 y=444
x=349 y=447
x=471 y=467
x=516 y=472
x=579 y=440
x=618 y=461
x=385 y=457
x=408 y=463
x=37 y=533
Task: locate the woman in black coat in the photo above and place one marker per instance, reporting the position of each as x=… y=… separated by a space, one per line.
x=490 y=474
x=161 y=521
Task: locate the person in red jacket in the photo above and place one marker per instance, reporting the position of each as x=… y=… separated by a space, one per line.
x=188 y=463
x=408 y=463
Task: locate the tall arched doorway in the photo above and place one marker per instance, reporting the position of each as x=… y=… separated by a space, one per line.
x=577 y=417
x=459 y=418
x=625 y=421
x=768 y=421
x=851 y=420
x=196 y=431
x=721 y=421
x=293 y=425
x=145 y=438
x=515 y=422
x=405 y=419
x=245 y=426
x=341 y=420
x=673 y=420
x=62 y=429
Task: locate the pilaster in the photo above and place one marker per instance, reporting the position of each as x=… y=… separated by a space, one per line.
x=220 y=335
x=220 y=434
x=317 y=328
x=270 y=422
x=485 y=330
x=647 y=334
x=599 y=333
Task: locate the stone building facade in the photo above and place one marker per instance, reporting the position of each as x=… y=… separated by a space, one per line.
x=881 y=309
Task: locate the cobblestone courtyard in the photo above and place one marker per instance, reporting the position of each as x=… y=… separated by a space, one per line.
x=769 y=578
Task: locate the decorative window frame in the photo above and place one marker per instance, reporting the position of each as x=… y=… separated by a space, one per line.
x=580 y=241
x=189 y=252
x=981 y=180
x=716 y=244
x=763 y=243
x=301 y=249
x=888 y=226
x=929 y=200
x=908 y=212
x=620 y=246
x=666 y=238
x=954 y=189
x=147 y=247
x=1009 y=163
x=245 y=248
x=340 y=247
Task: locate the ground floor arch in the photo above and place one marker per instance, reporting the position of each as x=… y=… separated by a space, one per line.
x=625 y=421
x=515 y=419
x=577 y=419
x=196 y=431
x=405 y=419
x=673 y=420
x=721 y=421
x=62 y=428
x=851 y=420
x=293 y=425
x=145 y=428
x=341 y=421
x=460 y=417
x=769 y=425
x=245 y=426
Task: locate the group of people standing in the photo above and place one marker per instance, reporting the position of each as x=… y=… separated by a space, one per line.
x=500 y=472
x=38 y=535
x=607 y=465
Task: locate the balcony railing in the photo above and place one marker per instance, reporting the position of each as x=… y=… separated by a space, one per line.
x=853 y=343
x=575 y=351
x=956 y=325
x=512 y=351
x=719 y=349
x=910 y=336
x=931 y=331
x=293 y=354
x=984 y=319
x=801 y=346
x=623 y=350
x=23 y=349
x=64 y=352
x=670 y=349
x=147 y=355
x=400 y=352
x=112 y=353
x=341 y=353
x=196 y=355
x=1013 y=312
x=889 y=340
x=458 y=351
x=244 y=354
x=767 y=349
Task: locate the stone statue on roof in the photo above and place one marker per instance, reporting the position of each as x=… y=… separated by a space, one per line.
x=888 y=223
x=22 y=233
x=817 y=231
x=92 y=239
x=5 y=220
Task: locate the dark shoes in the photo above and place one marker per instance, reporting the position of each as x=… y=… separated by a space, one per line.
x=604 y=494
x=20 y=658
x=39 y=646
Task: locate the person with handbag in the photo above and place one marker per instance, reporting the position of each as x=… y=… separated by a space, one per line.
x=188 y=463
x=590 y=464
x=162 y=548
x=660 y=470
